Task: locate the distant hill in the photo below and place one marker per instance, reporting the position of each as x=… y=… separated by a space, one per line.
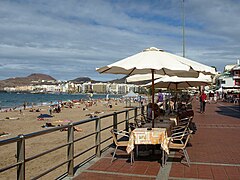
x=21 y=81
x=82 y=80
x=36 y=77
x=119 y=81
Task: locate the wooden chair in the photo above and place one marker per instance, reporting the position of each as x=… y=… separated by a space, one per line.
x=120 y=143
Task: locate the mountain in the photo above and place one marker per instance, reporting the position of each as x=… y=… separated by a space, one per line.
x=121 y=80
x=82 y=80
x=39 y=77
x=118 y=81
x=21 y=81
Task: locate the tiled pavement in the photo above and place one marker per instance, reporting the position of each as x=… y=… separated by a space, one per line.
x=214 y=153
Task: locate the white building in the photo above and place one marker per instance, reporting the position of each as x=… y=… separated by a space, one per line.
x=230 y=79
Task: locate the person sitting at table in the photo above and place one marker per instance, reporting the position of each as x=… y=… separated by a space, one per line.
x=157 y=111
x=171 y=104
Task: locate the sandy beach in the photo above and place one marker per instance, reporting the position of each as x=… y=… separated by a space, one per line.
x=15 y=122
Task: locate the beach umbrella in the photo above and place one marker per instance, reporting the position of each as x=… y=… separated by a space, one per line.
x=175 y=83
x=156 y=61
x=129 y=96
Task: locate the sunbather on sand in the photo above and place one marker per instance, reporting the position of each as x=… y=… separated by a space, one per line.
x=2 y=134
x=75 y=128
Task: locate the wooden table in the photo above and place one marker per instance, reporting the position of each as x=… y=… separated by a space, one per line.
x=154 y=136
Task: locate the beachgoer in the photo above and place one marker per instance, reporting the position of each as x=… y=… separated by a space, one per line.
x=50 y=110
x=203 y=99
x=90 y=96
x=24 y=105
x=58 y=109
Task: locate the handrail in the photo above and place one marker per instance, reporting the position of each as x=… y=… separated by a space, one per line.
x=71 y=155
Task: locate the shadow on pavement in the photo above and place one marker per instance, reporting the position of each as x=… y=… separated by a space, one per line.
x=232 y=111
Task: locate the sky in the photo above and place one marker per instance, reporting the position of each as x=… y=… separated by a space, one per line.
x=70 y=39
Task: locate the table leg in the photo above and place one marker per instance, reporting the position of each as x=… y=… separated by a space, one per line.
x=137 y=150
x=163 y=158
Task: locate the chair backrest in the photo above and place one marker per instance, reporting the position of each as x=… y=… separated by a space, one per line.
x=186 y=121
x=138 y=123
x=114 y=136
x=132 y=126
x=116 y=132
x=186 y=135
x=182 y=134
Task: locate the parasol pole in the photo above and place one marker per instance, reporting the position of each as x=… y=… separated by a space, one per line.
x=152 y=98
x=175 y=103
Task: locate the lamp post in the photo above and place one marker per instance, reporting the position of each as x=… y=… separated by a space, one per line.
x=183 y=27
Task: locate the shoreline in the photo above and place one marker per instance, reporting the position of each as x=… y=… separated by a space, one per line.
x=22 y=121
x=19 y=104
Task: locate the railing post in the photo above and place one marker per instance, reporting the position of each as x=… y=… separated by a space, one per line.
x=115 y=120
x=21 y=158
x=98 y=137
x=70 y=150
x=127 y=121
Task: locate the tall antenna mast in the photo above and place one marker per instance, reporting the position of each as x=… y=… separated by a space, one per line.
x=183 y=27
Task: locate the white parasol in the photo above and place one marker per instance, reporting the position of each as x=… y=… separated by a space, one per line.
x=156 y=61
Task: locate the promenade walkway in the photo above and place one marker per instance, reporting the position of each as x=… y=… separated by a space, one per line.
x=214 y=153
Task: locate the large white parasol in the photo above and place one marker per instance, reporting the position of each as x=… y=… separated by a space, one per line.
x=142 y=77
x=175 y=82
x=163 y=63
x=156 y=61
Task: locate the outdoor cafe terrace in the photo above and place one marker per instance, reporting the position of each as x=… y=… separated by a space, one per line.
x=213 y=151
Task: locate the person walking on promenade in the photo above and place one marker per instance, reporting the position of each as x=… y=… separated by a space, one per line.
x=202 y=98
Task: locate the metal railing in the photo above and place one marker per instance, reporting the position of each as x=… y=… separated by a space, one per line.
x=71 y=155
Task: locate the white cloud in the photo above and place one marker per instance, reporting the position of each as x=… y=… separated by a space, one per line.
x=69 y=39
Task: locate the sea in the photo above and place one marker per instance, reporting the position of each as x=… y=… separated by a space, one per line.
x=16 y=100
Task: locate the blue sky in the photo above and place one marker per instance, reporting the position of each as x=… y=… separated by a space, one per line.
x=70 y=39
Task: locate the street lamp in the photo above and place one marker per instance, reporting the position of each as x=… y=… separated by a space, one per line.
x=183 y=27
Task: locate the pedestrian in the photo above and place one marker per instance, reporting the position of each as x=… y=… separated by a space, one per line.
x=160 y=98
x=203 y=99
